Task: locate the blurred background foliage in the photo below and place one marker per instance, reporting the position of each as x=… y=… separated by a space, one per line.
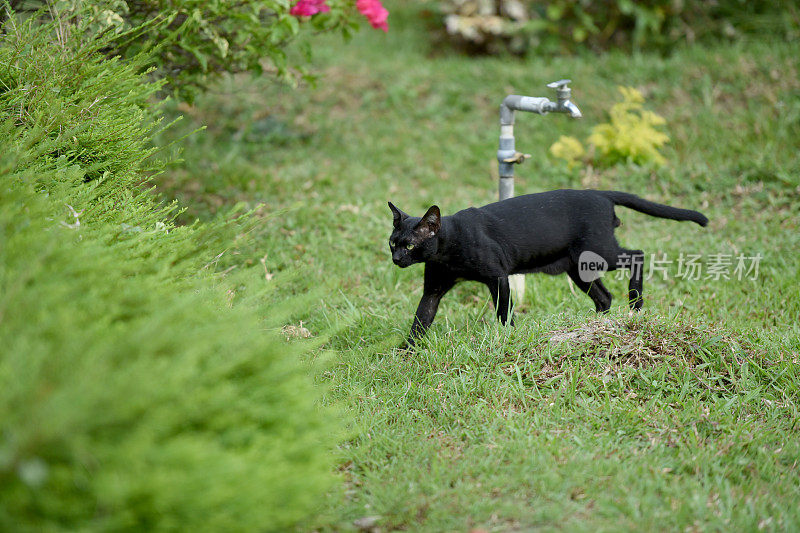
x=520 y=26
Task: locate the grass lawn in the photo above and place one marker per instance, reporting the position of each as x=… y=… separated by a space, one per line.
x=684 y=417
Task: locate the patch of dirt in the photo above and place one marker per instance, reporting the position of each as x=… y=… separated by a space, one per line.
x=291 y=331
x=637 y=342
x=607 y=345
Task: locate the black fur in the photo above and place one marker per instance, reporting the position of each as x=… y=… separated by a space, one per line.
x=543 y=232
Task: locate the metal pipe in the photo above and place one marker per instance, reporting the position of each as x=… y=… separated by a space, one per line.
x=507 y=155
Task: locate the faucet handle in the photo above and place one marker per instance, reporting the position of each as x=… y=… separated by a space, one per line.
x=560 y=84
x=562 y=91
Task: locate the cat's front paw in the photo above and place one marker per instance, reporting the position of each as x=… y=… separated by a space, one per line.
x=407 y=346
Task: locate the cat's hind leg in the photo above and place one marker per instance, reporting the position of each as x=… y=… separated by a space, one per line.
x=501 y=297
x=615 y=258
x=633 y=260
x=596 y=291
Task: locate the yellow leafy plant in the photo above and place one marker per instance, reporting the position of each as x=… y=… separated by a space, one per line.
x=631 y=135
x=569 y=149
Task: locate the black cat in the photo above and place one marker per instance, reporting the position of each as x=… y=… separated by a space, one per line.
x=552 y=232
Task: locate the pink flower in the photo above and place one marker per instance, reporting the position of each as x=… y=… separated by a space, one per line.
x=306 y=8
x=375 y=12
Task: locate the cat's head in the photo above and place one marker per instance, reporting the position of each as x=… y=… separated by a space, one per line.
x=413 y=239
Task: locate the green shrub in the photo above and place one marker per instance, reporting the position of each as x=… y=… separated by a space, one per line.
x=191 y=41
x=90 y=116
x=138 y=390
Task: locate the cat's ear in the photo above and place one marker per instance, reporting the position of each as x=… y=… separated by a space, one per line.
x=431 y=222
x=398 y=215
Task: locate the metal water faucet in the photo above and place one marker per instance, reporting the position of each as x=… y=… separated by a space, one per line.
x=507 y=155
x=563 y=93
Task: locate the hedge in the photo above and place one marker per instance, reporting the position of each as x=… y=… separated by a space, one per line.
x=134 y=393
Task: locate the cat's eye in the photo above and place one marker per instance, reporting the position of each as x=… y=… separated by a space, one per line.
x=409 y=246
x=392 y=243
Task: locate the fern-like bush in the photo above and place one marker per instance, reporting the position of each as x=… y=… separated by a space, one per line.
x=569 y=149
x=135 y=392
x=631 y=135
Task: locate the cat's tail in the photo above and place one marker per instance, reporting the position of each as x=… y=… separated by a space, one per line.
x=653 y=209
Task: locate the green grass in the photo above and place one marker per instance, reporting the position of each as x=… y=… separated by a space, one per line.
x=684 y=417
